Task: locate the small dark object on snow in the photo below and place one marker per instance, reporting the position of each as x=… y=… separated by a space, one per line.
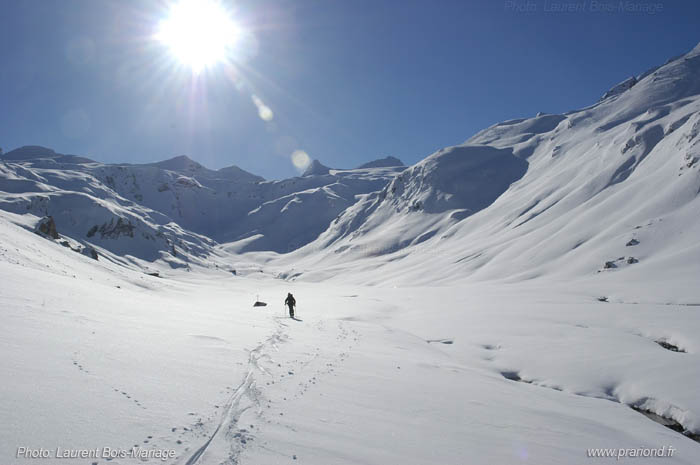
x=602 y=299
x=90 y=252
x=632 y=242
x=669 y=346
x=259 y=303
x=511 y=375
x=154 y=274
x=632 y=261
x=441 y=341
x=609 y=265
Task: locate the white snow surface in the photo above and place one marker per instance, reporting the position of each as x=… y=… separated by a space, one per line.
x=521 y=298
x=96 y=355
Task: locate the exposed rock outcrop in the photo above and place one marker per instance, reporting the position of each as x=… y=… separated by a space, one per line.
x=47 y=227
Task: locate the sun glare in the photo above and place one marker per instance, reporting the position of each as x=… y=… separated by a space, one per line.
x=199 y=33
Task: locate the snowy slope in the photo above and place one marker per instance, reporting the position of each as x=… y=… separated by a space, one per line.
x=623 y=169
x=98 y=356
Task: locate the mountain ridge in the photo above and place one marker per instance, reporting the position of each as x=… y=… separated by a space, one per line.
x=176 y=209
x=516 y=179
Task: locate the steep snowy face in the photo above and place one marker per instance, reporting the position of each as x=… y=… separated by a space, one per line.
x=468 y=177
x=423 y=200
x=574 y=190
x=194 y=197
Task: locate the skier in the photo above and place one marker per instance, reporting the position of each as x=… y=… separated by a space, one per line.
x=290 y=302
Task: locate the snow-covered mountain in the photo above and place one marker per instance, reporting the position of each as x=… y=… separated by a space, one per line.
x=557 y=194
x=520 y=196
x=39 y=182
x=176 y=209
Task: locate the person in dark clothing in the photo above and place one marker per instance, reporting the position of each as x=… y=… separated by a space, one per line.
x=290 y=302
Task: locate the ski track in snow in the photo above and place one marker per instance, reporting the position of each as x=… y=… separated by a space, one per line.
x=228 y=440
x=232 y=410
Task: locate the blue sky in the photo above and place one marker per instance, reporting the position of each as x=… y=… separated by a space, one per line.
x=347 y=81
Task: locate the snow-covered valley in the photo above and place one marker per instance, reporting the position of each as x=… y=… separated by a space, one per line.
x=529 y=296
x=98 y=356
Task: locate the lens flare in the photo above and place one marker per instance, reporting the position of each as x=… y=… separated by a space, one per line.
x=300 y=159
x=264 y=111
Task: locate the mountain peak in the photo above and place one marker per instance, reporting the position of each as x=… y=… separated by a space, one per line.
x=674 y=80
x=316 y=168
x=234 y=172
x=382 y=163
x=39 y=153
x=29 y=152
x=179 y=163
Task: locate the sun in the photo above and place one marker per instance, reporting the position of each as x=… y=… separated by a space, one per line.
x=199 y=33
